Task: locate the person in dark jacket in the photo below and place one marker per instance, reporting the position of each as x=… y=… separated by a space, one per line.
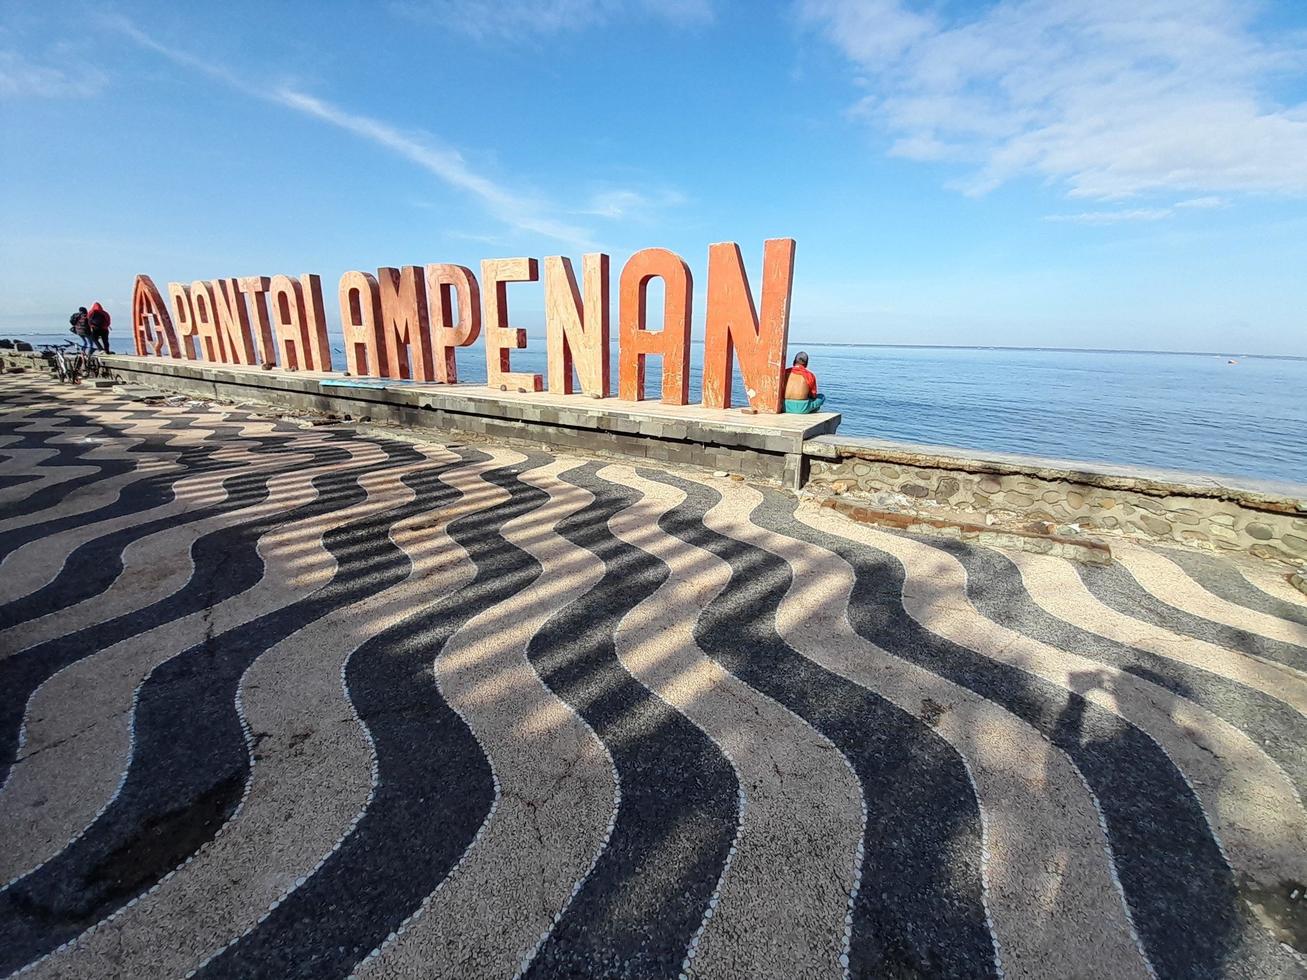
x=98 y=319
x=80 y=324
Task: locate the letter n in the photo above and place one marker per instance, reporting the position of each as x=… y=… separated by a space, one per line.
x=734 y=328
x=577 y=328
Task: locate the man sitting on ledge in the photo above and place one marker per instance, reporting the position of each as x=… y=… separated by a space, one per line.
x=801 y=396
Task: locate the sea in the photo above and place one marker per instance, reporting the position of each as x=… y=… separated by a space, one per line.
x=1227 y=414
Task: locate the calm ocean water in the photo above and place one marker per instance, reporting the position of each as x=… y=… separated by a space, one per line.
x=1178 y=411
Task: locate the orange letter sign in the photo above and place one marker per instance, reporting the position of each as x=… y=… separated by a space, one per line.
x=405 y=323
x=292 y=337
x=315 y=322
x=255 y=289
x=445 y=283
x=577 y=328
x=151 y=325
x=233 y=321
x=360 y=320
x=184 y=317
x=500 y=337
x=733 y=325
x=206 y=322
x=672 y=343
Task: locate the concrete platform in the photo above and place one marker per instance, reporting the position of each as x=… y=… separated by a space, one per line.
x=769 y=447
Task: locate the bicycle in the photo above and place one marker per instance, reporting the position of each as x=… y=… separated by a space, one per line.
x=65 y=363
x=89 y=365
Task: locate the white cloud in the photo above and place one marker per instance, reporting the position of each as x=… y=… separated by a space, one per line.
x=624 y=203
x=1109 y=99
x=1113 y=217
x=63 y=77
x=518 y=211
x=447 y=164
x=518 y=19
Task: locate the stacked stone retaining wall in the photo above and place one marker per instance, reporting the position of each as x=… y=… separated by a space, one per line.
x=1026 y=494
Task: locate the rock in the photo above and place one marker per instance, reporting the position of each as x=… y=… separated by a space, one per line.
x=1260 y=531
x=1295 y=543
x=1018 y=499
x=1155 y=524
x=915 y=490
x=948 y=487
x=990 y=485
x=721 y=474
x=1075 y=499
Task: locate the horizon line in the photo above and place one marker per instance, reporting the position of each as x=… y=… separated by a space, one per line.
x=997 y=347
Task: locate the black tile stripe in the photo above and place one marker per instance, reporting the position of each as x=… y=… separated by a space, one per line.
x=150 y=490
x=920 y=909
x=191 y=762
x=434 y=786
x=1114 y=586
x=645 y=897
x=226 y=563
x=1221 y=579
x=1181 y=893
x=93 y=566
x=994 y=585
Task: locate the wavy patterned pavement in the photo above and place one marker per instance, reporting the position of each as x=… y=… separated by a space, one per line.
x=287 y=701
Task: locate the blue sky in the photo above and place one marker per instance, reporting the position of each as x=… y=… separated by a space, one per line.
x=1127 y=173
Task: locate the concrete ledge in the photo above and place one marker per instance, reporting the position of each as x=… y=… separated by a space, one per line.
x=766 y=447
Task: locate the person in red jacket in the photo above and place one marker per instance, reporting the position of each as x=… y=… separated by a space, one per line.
x=98 y=319
x=801 y=396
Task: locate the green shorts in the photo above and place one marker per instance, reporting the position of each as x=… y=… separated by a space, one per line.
x=804 y=406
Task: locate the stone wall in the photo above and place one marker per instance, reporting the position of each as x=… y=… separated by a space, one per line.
x=1032 y=495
